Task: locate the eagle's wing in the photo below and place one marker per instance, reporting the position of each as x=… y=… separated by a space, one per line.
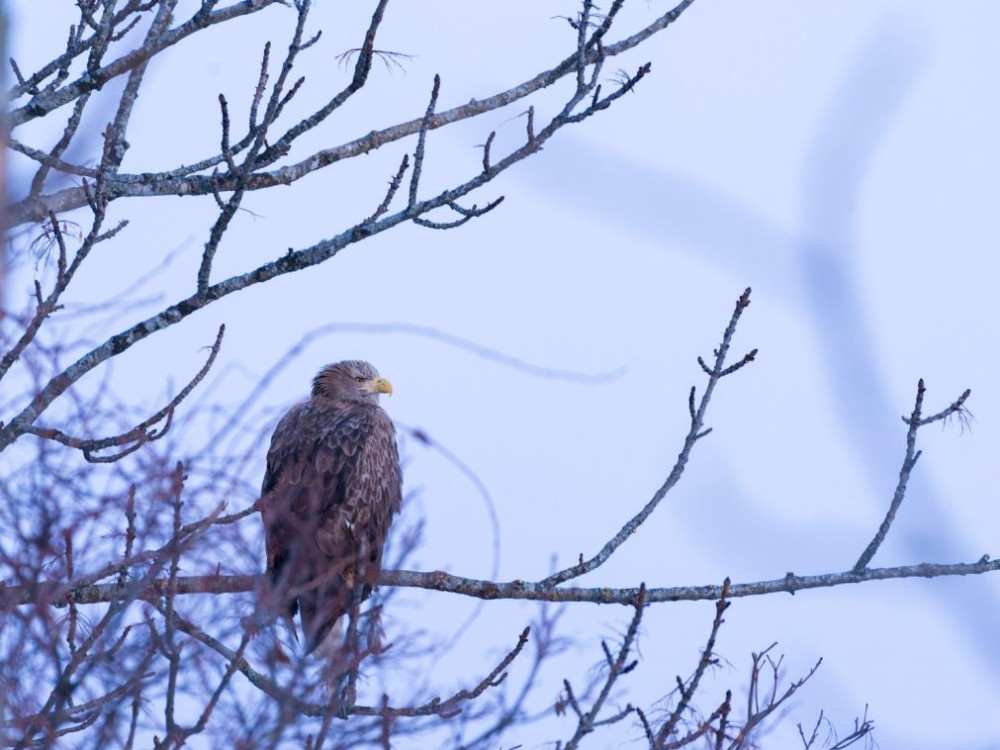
x=331 y=487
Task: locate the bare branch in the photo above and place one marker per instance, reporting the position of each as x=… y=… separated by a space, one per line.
x=57 y=594
x=394 y=184
x=46 y=101
x=695 y=433
x=418 y=154
x=142 y=433
x=688 y=690
x=182 y=181
x=910 y=459
x=619 y=666
x=436 y=707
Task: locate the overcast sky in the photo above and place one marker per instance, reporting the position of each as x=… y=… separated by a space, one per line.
x=840 y=158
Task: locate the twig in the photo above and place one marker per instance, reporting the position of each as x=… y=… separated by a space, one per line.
x=588 y=721
x=288 y=263
x=695 y=433
x=910 y=459
x=435 y=707
x=171 y=649
x=185 y=181
x=756 y=713
x=394 y=184
x=707 y=659
x=418 y=154
x=94 y=78
x=362 y=69
x=486 y=150
x=141 y=433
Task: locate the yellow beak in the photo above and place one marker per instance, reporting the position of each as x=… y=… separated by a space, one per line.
x=379 y=385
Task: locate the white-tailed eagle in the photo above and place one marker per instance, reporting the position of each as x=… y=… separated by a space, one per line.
x=331 y=489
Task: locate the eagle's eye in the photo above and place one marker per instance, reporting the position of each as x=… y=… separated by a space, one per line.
x=360 y=379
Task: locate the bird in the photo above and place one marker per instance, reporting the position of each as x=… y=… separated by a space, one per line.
x=331 y=488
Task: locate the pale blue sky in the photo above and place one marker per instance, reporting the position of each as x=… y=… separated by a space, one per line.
x=840 y=158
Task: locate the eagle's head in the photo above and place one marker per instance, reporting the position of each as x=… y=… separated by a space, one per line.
x=350 y=380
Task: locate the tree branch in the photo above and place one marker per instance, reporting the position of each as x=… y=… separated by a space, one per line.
x=57 y=593
x=910 y=459
x=695 y=433
x=184 y=181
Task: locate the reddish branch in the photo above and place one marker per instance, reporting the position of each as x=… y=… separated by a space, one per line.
x=435 y=707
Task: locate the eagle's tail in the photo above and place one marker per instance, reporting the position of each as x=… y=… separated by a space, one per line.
x=321 y=614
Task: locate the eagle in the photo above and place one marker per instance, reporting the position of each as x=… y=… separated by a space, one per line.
x=331 y=489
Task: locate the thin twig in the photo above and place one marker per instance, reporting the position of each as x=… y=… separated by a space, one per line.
x=695 y=433
x=141 y=433
x=707 y=659
x=186 y=181
x=418 y=154
x=619 y=666
x=912 y=455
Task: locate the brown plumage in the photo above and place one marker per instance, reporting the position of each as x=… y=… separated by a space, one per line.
x=331 y=489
